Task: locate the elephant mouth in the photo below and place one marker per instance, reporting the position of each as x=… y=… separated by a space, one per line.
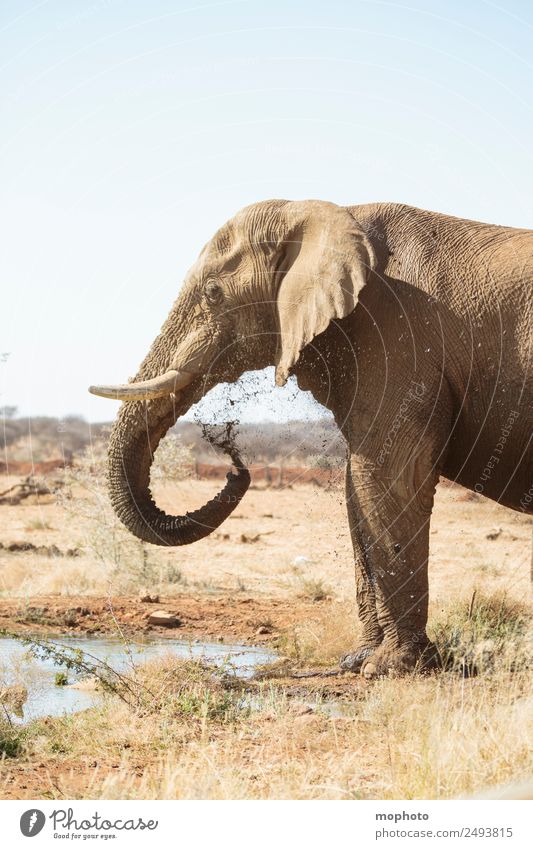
x=141 y=424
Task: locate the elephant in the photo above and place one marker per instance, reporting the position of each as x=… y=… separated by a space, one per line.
x=412 y=327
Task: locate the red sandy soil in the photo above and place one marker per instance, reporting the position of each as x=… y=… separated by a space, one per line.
x=229 y=618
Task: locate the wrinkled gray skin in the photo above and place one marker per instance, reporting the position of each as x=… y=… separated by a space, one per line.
x=412 y=327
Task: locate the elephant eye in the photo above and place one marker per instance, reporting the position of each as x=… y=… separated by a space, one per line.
x=213 y=292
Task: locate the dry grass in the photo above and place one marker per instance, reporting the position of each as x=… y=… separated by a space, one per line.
x=322 y=641
x=193 y=736
x=38 y=525
x=28 y=575
x=475 y=634
x=302 y=546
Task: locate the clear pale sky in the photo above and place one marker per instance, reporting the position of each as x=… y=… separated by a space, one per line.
x=133 y=128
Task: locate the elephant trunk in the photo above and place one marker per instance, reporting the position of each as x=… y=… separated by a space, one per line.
x=134 y=438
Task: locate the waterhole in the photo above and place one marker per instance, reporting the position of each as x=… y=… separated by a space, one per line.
x=45 y=698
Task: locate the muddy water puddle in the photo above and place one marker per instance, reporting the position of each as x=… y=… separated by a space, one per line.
x=46 y=698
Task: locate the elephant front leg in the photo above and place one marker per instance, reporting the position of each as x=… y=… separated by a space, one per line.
x=391 y=536
x=372 y=633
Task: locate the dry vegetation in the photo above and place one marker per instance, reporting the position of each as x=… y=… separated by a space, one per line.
x=193 y=734
x=296 y=442
x=285 y=558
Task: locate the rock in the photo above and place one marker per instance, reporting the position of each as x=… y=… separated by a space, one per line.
x=301 y=709
x=162 y=617
x=263 y=629
x=250 y=537
x=148 y=597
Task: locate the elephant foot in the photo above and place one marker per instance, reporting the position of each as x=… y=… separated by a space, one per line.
x=353 y=661
x=395 y=661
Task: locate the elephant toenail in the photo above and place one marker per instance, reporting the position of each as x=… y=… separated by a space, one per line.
x=370 y=670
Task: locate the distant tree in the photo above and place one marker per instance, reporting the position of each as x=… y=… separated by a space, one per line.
x=8 y=412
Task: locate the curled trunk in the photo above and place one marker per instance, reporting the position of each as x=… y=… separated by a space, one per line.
x=134 y=438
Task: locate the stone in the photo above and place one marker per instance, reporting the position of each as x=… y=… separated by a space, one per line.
x=301 y=709
x=148 y=598
x=162 y=617
x=300 y=560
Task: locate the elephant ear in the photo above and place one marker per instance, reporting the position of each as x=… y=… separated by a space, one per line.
x=326 y=262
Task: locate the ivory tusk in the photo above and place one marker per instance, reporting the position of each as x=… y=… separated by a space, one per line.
x=166 y=384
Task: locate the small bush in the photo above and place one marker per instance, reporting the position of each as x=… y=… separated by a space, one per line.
x=314 y=590
x=32 y=616
x=173 y=575
x=188 y=688
x=325 y=461
x=11 y=739
x=38 y=525
x=475 y=634
x=85 y=494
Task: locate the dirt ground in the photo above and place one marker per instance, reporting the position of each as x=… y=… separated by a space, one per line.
x=277 y=545
x=226 y=618
x=282 y=561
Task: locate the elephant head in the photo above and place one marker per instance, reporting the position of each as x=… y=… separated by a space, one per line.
x=269 y=281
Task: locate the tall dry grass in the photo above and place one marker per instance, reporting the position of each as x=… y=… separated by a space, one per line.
x=199 y=737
